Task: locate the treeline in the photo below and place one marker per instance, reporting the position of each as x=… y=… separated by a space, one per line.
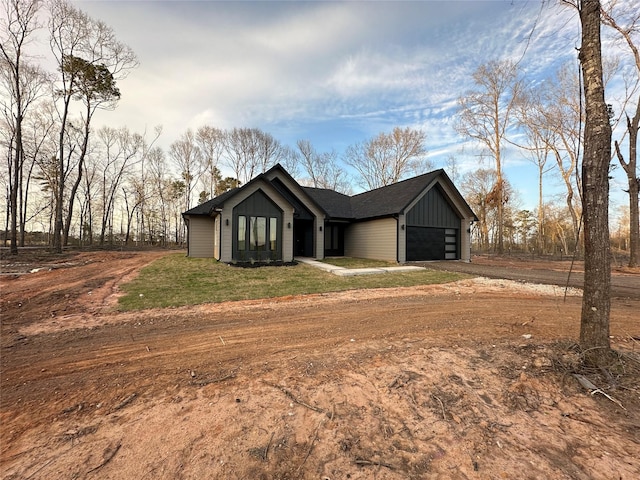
x=69 y=182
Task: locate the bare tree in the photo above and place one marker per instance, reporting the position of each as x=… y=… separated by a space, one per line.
x=210 y=141
x=121 y=149
x=186 y=155
x=476 y=187
x=487 y=114
x=90 y=61
x=23 y=82
x=389 y=157
x=626 y=22
x=269 y=150
x=250 y=151
x=532 y=118
x=596 y=299
x=322 y=169
x=39 y=142
x=562 y=115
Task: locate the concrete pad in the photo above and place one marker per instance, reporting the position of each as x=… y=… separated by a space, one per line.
x=350 y=272
x=327 y=267
x=408 y=268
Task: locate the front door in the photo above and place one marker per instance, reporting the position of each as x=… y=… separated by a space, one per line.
x=303 y=238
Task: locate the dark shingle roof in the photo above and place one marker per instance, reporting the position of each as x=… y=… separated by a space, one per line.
x=336 y=205
x=391 y=199
x=208 y=207
x=382 y=202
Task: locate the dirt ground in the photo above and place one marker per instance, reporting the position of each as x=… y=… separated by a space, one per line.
x=471 y=379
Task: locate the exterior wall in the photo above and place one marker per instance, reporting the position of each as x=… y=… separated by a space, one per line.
x=226 y=218
x=465 y=239
x=465 y=222
x=216 y=238
x=201 y=236
x=402 y=239
x=318 y=236
x=376 y=239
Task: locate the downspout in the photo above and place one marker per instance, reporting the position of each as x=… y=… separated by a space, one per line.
x=219 y=240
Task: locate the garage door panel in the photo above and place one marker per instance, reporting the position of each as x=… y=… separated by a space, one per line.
x=427 y=243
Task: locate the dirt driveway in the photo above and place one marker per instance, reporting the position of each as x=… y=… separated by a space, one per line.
x=465 y=380
x=625 y=282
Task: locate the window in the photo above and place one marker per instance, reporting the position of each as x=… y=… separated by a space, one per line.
x=258 y=237
x=273 y=234
x=242 y=233
x=257 y=234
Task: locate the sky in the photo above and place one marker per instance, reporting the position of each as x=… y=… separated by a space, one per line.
x=333 y=73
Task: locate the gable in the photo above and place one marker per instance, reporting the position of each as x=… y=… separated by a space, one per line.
x=433 y=210
x=257 y=204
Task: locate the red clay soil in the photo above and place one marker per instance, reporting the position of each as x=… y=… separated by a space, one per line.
x=472 y=379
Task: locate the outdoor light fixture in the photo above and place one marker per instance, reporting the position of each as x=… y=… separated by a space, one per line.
x=320 y=227
x=226 y=222
x=402 y=226
x=289 y=225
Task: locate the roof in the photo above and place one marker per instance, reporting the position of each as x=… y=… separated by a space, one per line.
x=335 y=204
x=208 y=207
x=382 y=202
x=391 y=199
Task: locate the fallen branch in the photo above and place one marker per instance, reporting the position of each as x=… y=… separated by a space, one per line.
x=313 y=440
x=266 y=450
x=125 y=402
x=109 y=454
x=296 y=400
x=380 y=463
x=444 y=415
x=586 y=383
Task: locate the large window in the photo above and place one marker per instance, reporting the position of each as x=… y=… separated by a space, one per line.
x=257 y=234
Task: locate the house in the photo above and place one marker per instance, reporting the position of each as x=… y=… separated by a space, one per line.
x=272 y=217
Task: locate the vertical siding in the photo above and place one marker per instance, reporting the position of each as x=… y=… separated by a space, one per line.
x=201 y=235
x=458 y=207
x=318 y=236
x=433 y=210
x=226 y=241
x=376 y=239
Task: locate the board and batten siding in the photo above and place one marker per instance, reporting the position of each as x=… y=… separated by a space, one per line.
x=226 y=251
x=377 y=239
x=202 y=231
x=318 y=220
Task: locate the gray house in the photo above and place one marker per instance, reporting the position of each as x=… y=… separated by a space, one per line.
x=272 y=217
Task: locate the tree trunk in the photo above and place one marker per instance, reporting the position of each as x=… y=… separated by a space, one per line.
x=596 y=300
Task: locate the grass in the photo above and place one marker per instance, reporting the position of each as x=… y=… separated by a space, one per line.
x=176 y=280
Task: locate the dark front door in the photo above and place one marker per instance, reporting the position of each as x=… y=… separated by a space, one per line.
x=303 y=238
x=334 y=240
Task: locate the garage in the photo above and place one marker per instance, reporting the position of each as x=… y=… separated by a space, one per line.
x=429 y=243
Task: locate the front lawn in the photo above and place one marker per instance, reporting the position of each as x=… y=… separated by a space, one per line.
x=176 y=280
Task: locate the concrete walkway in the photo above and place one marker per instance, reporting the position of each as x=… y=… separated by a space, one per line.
x=348 y=272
